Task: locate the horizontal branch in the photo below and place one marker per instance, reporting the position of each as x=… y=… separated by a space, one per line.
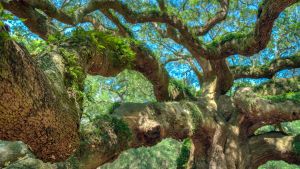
x=278 y=86
x=274 y=146
x=266 y=71
x=132 y=16
x=93 y=5
x=133 y=125
x=258 y=111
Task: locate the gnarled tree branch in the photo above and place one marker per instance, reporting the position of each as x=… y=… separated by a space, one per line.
x=266 y=71
x=259 y=112
x=273 y=146
x=142 y=125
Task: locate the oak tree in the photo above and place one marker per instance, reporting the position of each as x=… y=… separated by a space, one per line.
x=41 y=96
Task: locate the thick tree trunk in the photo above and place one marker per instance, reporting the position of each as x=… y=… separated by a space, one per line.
x=228 y=142
x=34 y=104
x=224 y=150
x=228 y=149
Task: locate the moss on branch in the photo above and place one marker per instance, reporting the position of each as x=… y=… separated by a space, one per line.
x=184 y=155
x=117 y=49
x=291 y=96
x=227 y=37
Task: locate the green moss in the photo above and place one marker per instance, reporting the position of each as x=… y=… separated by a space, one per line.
x=74 y=75
x=196 y=114
x=4 y=36
x=227 y=37
x=113 y=107
x=116 y=48
x=264 y=129
x=296 y=144
x=278 y=165
x=179 y=85
x=183 y=158
x=119 y=127
x=292 y=96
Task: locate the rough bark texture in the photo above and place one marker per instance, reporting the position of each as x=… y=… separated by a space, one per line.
x=32 y=108
x=275 y=145
x=138 y=125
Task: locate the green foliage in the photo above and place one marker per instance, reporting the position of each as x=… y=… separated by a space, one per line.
x=103 y=94
x=34 y=46
x=183 y=158
x=160 y=156
x=56 y=38
x=237 y=85
x=296 y=144
x=4 y=16
x=278 y=165
x=227 y=37
x=74 y=75
x=116 y=48
x=113 y=107
x=264 y=129
x=181 y=87
x=292 y=96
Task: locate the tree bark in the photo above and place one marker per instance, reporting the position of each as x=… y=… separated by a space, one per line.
x=35 y=106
